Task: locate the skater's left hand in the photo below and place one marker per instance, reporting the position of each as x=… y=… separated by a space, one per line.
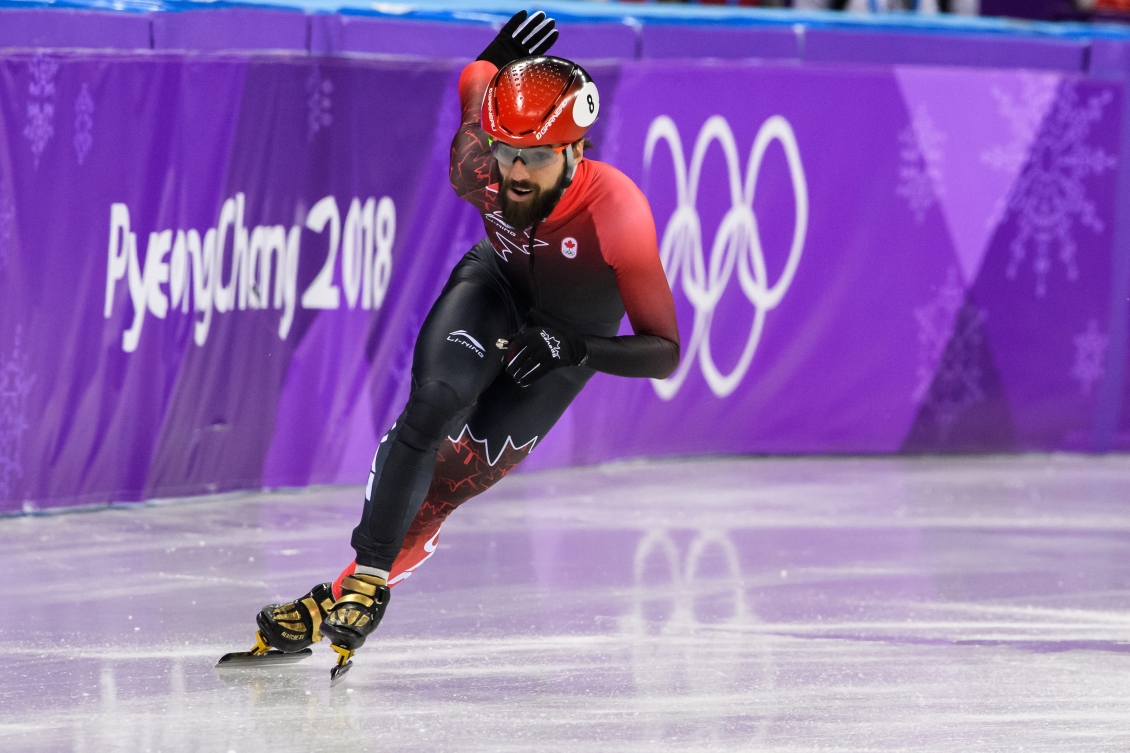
x=536 y=351
x=522 y=36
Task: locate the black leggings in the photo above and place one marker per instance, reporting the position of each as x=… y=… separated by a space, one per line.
x=463 y=407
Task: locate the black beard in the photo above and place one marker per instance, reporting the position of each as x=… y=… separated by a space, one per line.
x=535 y=209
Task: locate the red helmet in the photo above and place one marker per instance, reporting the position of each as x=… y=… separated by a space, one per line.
x=542 y=100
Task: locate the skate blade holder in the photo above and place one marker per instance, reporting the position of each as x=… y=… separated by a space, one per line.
x=337 y=674
x=260 y=655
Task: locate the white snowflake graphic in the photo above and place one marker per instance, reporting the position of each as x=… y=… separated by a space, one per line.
x=1090 y=357
x=1023 y=115
x=84 y=123
x=41 y=104
x=922 y=157
x=956 y=385
x=318 y=103
x=1050 y=197
x=935 y=327
x=15 y=385
x=7 y=225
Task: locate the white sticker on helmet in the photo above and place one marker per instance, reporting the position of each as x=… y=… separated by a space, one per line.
x=586 y=106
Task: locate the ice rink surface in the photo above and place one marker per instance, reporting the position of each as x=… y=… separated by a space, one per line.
x=961 y=604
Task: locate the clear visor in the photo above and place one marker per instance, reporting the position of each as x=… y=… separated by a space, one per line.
x=535 y=157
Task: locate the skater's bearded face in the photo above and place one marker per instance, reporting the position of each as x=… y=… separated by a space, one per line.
x=529 y=195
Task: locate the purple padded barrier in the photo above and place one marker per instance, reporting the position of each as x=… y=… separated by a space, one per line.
x=1111 y=59
x=596 y=41
x=391 y=36
x=333 y=34
x=880 y=48
x=56 y=27
x=673 y=41
x=231 y=29
x=936 y=272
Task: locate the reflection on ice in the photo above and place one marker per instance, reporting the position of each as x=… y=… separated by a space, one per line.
x=685 y=638
x=932 y=605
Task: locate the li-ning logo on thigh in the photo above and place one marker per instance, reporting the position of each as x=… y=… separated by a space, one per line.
x=463 y=338
x=736 y=245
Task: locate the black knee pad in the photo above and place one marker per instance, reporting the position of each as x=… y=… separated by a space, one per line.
x=430 y=408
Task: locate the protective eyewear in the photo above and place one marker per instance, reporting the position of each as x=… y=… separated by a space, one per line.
x=535 y=157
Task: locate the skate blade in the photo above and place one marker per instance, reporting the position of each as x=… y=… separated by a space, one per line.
x=337 y=674
x=248 y=659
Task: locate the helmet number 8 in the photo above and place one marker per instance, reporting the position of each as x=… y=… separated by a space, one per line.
x=586 y=107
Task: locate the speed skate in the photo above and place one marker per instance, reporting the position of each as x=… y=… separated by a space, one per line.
x=261 y=655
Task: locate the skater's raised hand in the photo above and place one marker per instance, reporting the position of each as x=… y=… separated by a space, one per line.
x=536 y=351
x=522 y=36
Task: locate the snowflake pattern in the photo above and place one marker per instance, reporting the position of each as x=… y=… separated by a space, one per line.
x=1023 y=115
x=1090 y=357
x=1050 y=197
x=921 y=156
x=7 y=225
x=15 y=385
x=318 y=103
x=956 y=385
x=84 y=123
x=41 y=104
x=935 y=326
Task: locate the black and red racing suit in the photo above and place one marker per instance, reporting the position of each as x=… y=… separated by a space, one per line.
x=467 y=423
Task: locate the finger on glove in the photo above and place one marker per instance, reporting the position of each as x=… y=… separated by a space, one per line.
x=526 y=27
x=524 y=368
x=528 y=373
x=519 y=362
x=546 y=42
x=535 y=33
x=515 y=22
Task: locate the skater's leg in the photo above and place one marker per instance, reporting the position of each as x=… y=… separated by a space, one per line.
x=454 y=361
x=500 y=432
x=451 y=367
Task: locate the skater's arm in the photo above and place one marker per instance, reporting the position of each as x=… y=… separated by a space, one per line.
x=627 y=239
x=472 y=167
x=472 y=170
x=647 y=356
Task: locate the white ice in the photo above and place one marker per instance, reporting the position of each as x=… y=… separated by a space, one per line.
x=964 y=604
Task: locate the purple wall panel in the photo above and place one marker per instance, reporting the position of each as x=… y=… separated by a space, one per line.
x=882 y=48
x=664 y=41
x=230 y=29
x=73 y=28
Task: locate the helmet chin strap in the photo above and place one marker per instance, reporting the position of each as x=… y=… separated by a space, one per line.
x=570 y=165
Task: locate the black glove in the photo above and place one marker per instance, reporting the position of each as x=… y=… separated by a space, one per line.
x=521 y=37
x=536 y=351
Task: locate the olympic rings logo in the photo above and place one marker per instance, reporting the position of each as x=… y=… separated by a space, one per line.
x=737 y=244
